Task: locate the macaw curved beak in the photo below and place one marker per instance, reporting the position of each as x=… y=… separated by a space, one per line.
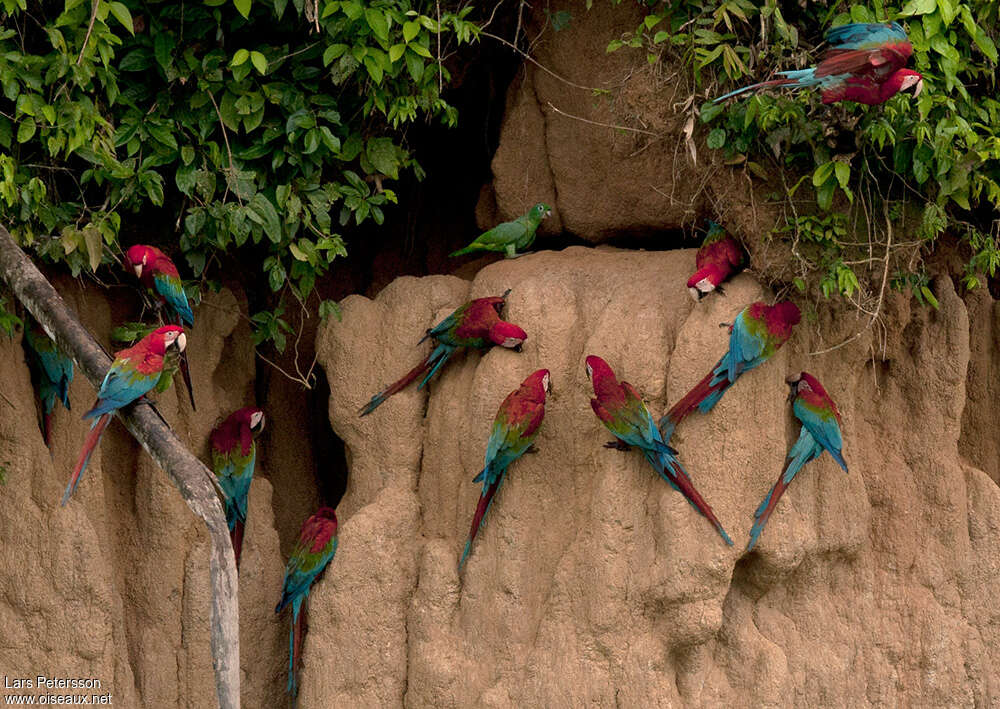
x=548 y=212
x=918 y=87
x=138 y=269
x=181 y=341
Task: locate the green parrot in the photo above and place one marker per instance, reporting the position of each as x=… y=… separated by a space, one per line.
x=509 y=236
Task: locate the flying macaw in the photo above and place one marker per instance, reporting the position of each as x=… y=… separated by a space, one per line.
x=621 y=410
x=756 y=334
x=820 y=431
x=476 y=324
x=515 y=429
x=510 y=237
x=233 y=456
x=159 y=275
x=134 y=373
x=719 y=258
x=864 y=63
x=313 y=551
x=53 y=371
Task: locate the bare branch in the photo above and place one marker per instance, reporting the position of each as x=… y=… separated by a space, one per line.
x=188 y=473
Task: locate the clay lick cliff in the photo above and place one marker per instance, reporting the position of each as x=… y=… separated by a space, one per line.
x=594 y=583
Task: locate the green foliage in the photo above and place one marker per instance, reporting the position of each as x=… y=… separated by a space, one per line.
x=941 y=149
x=252 y=125
x=9 y=322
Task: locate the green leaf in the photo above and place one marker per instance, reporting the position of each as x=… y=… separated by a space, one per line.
x=717 y=138
x=26 y=130
x=264 y=213
x=122 y=14
x=185 y=179
x=377 y=21
x=843 y=173
x=297 y=253
x=328 y=308
x=382 y=154
x=410 y=30
x=240 y=57
x=414 y=65
x=95 y=245
x=374 y=70
x=163 y=45
x=396 y=51
x=929 y=297
x=332 y=52
x=918 y=7
x=822 y=174
x=259 y=62
x=243 y=7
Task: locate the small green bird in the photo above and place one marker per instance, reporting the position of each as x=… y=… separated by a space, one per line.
x=509 y=236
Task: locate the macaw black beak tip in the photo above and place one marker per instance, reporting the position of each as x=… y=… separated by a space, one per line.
x=519 y=348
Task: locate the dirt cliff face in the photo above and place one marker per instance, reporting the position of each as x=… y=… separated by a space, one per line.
x=592 y=581
x=114 y=586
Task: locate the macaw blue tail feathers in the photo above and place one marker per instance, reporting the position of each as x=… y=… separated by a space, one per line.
x=795 y=78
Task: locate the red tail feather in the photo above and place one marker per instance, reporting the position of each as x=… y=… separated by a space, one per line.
x=690 y=401
x=477 y=519
x=688 y=490
x=236 y=535
x=89 y=444
x=397 y=387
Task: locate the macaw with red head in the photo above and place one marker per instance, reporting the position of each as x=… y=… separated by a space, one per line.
x=234 y=454
x=755 y=335
x=820 y=432
x=622 y=411
x=475 y=325
x=720 y=258
x=134 y=372
x=865 y=63
x=515 y=429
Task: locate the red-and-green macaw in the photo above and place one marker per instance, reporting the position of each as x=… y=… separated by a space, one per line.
x=756 y=334
x=52 y=370
x=864 y=63
x=719 y=258
x=313 y=551
x=515 y=429
x=820 y=431
x=476 y=325
x=159 y=275
x=510 y=237
x=234 y=454
x=134 y=373
x=622 y=411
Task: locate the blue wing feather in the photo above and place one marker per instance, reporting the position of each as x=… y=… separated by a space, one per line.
x=121 y=386
x=865 y=35
x=824 y=430
x=172 y=291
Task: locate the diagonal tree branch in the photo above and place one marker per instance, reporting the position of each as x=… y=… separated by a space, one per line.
x=188 y=473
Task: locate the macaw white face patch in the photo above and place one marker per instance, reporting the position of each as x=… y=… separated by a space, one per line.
x=545 y=382
x=705 y=285
x=511 y=342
